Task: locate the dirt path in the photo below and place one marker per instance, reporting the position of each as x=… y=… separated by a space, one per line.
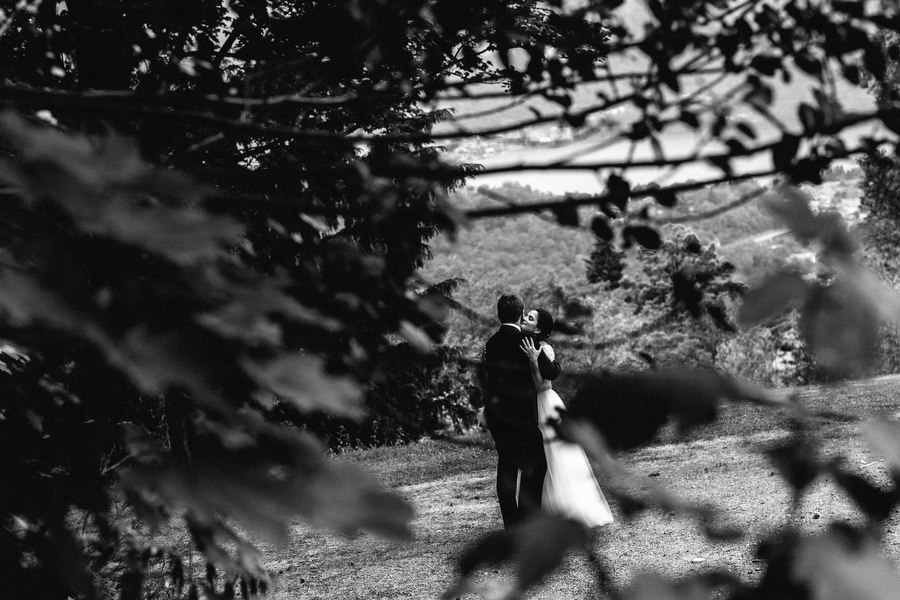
x=728 y=471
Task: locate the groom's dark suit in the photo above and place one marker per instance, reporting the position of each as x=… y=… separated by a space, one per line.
x=510 y=410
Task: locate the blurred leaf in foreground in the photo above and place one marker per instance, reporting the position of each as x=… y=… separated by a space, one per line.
x=797 y=463
x=629 y=409
x=534 y=548
x=652 y=586
x=840 y=326
x=301 y=381
x=771 y=296
x=623 y=485
x=262 y=480
x=845 y=564
x=106 y=188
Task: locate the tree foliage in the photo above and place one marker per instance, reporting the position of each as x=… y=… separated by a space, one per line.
x=212 y=210
x=413 y=396
x=681 y=282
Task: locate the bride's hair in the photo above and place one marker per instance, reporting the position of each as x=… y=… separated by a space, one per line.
x=544 y=323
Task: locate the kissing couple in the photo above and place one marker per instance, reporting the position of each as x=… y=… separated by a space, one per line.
x=536 y=471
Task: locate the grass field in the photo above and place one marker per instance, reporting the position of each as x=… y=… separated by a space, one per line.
x=451 y=483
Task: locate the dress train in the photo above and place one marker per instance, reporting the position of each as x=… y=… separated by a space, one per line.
x=570 y=488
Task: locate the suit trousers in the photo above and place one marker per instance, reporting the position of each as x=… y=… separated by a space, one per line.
x=519 y=466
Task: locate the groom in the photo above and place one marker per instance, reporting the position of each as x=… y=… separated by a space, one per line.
x=511 y=414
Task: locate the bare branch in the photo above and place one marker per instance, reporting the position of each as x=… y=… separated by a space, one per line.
x=114 y=99
x=611 y=78
x=125 y=102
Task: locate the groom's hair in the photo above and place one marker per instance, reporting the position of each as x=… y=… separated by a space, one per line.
x=509 y=308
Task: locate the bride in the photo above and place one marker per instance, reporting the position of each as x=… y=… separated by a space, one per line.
x=570 y=489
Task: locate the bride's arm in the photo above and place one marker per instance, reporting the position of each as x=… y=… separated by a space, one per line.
x=532 y=353
x=549 y=368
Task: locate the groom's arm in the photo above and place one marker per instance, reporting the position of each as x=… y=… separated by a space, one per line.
x=549 y=369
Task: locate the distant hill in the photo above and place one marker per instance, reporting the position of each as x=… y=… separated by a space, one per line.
x=533 y=255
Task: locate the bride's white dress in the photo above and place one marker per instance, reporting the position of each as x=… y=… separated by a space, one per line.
x=570 y=488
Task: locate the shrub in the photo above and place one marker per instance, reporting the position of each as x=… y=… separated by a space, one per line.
x=880 y=238
x=887 y=355
x=417 y=395
x=691 y=347
x=770 y=355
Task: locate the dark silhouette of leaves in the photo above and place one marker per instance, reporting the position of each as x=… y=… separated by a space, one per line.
x=566 y=214
x=535 y=548
x=628 y=410
x=808 y=63
x=618 y=191
x=666 y=198
x=893 y=52
x=784 y=152
x=810 y=118
x=643 y=235
x=766 y=64
x=689 y=118
x=600 y=227
x=873 y=58
x=876 y=503
x=797 y=464
x=854 y=9
x=778 y=581
x=747 y=129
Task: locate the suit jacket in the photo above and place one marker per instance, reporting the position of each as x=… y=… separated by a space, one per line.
x=509 y=393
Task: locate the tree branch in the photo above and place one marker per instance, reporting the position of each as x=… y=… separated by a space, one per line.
x=125 y=102
x=451 y=171
x=239 y=27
